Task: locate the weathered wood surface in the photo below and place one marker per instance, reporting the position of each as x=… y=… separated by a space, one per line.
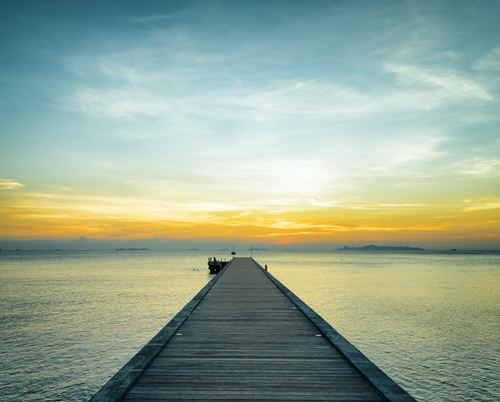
x=246 y=340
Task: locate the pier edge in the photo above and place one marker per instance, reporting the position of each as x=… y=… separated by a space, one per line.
x=384 y=385
x=118 y=386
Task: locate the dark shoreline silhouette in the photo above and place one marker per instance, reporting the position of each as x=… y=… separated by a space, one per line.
x=373 y=247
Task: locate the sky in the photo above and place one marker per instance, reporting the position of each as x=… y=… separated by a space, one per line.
x=275 y=123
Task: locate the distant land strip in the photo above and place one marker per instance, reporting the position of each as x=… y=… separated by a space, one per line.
x=373 y=247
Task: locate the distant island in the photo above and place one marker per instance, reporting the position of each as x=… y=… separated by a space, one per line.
x=131 y=249
x=383 y=248
x=193 y=249
x=250 y=249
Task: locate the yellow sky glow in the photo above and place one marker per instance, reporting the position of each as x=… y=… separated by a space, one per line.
x=58 y=214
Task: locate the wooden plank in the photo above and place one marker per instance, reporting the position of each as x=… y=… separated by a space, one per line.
x=166 y=394
x=248 y=338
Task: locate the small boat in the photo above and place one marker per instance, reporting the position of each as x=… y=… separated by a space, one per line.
x=215 y=265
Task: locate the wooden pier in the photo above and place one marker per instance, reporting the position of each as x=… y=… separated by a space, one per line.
x=246 y=337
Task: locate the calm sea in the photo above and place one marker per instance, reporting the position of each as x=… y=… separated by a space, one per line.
x=71 y=319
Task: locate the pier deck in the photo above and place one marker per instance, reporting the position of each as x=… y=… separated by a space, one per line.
x=247 y=337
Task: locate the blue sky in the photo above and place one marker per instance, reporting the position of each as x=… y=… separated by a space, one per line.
x=301 y=121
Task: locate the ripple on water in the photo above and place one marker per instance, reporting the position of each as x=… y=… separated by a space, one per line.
x=70 y=320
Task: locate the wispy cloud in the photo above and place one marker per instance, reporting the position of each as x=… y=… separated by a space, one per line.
x=322 y=229
x=369 y=206
x=324 y=100
x=6 y=184
x=480 y=167
x=483 y=207
x=162 y=17
x=119 y=104
x=423 y=147
x=488 y=62
x=451 y=84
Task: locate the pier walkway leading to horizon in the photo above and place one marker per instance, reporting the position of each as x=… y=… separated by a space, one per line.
x=246 y=337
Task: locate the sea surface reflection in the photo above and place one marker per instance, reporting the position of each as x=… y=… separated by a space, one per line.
x=71 y=319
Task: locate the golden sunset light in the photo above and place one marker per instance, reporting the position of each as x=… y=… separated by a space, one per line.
x=299 y=126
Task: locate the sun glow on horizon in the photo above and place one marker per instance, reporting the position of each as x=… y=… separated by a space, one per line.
x=57 y=215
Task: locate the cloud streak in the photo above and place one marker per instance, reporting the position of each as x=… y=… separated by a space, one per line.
x=6 y=184
x=449 y=85
x=488 y=62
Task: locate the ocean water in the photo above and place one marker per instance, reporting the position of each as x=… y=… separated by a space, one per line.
x=430 y=320
x=70 y=319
